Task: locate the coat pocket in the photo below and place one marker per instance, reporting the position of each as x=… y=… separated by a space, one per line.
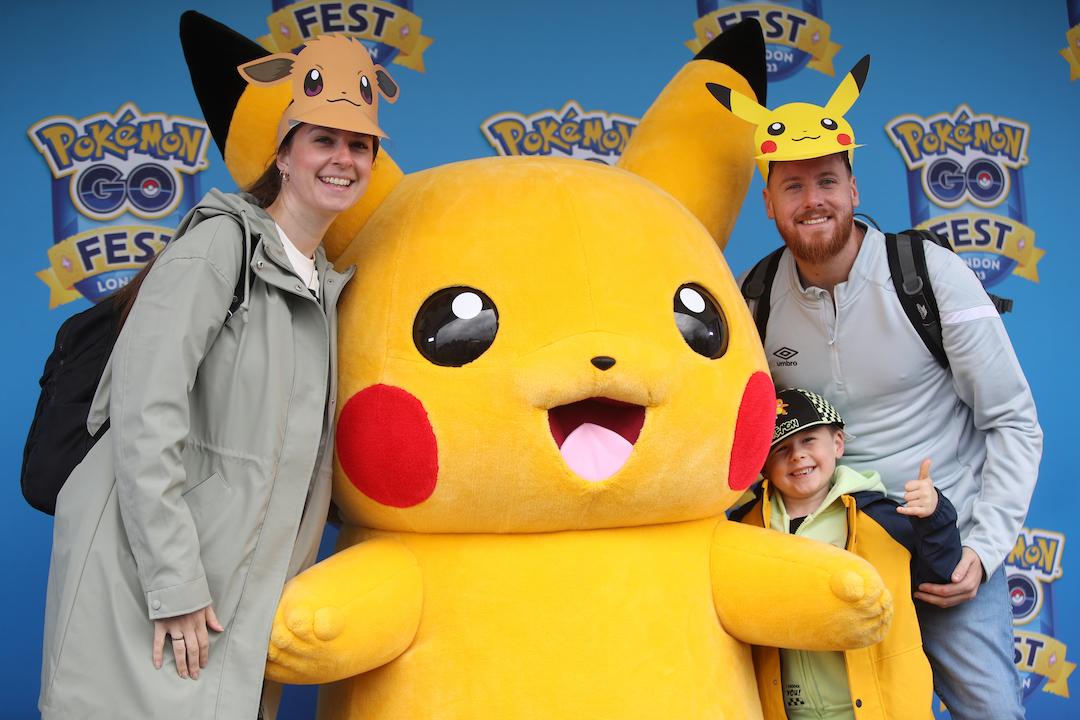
x=207 y=496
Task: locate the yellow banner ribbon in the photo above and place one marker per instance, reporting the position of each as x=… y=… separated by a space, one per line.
x=802 y=31
x=123 y=247
x=993 y=234
x=1071 y=51
x=1048 y=661
x=58 y=294
x=373 y=20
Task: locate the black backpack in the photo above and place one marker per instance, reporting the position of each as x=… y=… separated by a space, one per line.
x=910 y=277
x=58 y=439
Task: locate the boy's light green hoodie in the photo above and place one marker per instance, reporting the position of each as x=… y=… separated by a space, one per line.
x=815 y=683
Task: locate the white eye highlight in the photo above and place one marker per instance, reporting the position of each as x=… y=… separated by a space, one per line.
x=692 y=300
x=467 y=305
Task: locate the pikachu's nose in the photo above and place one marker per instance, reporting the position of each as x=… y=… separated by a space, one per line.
x=603 y=362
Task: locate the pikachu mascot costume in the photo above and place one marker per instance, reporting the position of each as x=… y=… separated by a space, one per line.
x=550 y=392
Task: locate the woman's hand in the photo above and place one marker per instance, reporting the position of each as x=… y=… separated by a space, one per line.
x=190 y=641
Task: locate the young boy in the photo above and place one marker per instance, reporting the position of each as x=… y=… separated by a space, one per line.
x=804 y=492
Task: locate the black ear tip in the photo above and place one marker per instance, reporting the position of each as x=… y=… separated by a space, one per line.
x=192 y=21
x=213 y=51
x=721 y=93
x=742 y=48
x=861 y=70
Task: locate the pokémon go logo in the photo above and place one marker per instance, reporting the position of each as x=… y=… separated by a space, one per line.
x=961 y=166
x=127 y=162
x=106 y=166
x=1033 y=566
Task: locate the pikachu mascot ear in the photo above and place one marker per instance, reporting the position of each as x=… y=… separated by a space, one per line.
x=244 y=117
x=692 y=147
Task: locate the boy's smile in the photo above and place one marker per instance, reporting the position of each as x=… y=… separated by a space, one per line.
x=800 y=467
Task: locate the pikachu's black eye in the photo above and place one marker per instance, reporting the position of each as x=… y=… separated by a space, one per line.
x=313 y=83
x=700 y=321
x=828 y=123
x=455 y=326
x=777 y=128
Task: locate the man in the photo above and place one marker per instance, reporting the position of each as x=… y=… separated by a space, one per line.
x=837 y=327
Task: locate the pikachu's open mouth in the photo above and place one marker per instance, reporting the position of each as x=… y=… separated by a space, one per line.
x=596 y=436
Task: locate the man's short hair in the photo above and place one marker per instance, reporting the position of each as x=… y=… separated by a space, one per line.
x=845 y=156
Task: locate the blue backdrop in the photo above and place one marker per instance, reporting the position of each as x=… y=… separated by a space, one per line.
x=970 y=119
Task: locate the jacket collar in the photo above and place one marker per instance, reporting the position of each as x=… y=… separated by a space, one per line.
x=271 y=264
x=868 y=257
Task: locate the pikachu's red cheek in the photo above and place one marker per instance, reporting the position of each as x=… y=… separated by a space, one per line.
x=753 y=431
x=386 y=446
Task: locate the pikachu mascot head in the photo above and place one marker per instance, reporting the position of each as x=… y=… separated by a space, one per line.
x=550 y=392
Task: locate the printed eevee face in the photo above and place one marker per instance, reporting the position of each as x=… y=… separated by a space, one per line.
x=536 y=344
x=334 y=83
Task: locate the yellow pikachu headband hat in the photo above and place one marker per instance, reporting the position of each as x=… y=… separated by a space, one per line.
x=334 y=84
x=799 y=131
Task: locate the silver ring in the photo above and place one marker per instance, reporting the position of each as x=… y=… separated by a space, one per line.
x=177 y=637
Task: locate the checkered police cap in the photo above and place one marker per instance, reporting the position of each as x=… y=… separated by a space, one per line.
x=798 y=409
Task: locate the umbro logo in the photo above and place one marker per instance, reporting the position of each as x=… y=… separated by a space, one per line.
x=784 y=356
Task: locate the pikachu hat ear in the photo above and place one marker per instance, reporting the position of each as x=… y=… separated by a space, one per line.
x=799 y=131
x=692 y=147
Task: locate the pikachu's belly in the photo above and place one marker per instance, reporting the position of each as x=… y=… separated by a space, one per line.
x=591 y=624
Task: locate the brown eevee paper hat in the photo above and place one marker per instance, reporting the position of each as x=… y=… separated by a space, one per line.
x=334 y=84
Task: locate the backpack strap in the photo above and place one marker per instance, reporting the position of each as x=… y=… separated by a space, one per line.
x=244 y=281
x=910 y=277
x=757 y=286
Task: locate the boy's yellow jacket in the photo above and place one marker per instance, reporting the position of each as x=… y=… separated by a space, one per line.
x=891 y=680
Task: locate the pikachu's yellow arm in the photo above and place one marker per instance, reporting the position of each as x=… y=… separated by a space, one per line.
x=775 y=589
x=354 y=611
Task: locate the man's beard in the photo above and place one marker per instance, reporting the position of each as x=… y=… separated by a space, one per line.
x=818 y=250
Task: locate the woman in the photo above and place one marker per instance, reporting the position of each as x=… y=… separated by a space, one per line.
x=211 y=487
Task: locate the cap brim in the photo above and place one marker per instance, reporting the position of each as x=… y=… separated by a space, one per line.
x=344 y=116
x=808 y=154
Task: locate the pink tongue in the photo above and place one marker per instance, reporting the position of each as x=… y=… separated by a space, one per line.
x=594 y=452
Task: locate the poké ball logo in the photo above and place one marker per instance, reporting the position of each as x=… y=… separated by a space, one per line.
x=1032 y=567
x=570 y=132
x=388 y=28
x=968 y=164
x=795 y=37
x=104 y=166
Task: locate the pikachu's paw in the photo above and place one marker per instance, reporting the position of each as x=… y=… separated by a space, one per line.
x=305 y=624
x=301 y=641
x=867 y=606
